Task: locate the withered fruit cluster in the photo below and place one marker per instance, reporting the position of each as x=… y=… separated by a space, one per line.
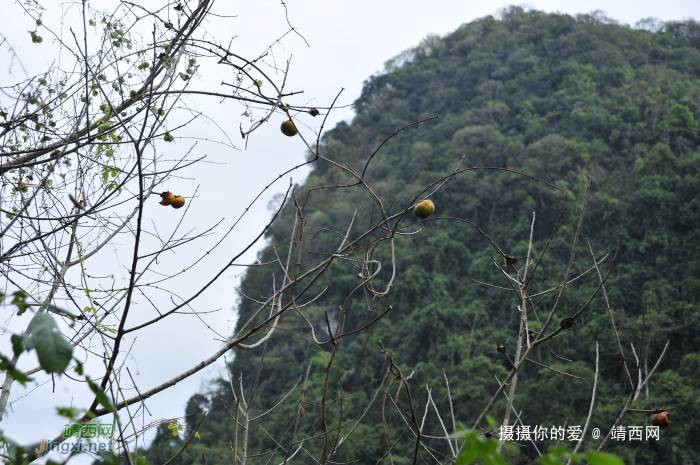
x=175 y=201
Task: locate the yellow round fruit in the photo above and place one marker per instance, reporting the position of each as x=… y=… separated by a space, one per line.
x=288 y=128
x=424 y=209
x=177 y=202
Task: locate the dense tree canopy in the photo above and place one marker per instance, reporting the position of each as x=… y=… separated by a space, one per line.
x=548 y=95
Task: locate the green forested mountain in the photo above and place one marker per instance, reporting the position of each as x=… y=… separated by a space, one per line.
x=548 y=95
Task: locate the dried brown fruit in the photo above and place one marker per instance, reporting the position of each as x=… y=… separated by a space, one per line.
x=567 y=323
x=661 y=419
x=76 y=203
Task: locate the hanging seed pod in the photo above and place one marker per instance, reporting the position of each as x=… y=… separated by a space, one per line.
x=661 y=419
x=567 y=323
x=288 y=129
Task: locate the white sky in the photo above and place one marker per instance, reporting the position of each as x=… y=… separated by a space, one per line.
x=349 y=41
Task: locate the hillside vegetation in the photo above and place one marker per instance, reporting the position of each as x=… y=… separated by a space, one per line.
x=548 y=95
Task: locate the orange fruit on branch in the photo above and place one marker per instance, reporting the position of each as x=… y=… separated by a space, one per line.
x=167 y=198
x=661 y=419
x=175 y=201
x=178 y=201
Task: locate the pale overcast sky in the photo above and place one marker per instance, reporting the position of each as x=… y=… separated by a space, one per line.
x=349 y=41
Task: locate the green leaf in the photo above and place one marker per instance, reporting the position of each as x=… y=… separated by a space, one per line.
x=493 y=458
x=53 y=350
x=101 y=396
x=20 y=377
x=7 y=365
x=549 y=459
x=67 y=412
x=17 y=455
x=20 y=299
x=491 y=422
x=17 y=344
x=601 y=458
x=471 y=451
x=59 y=311
x=138 y=460
x=488 y=452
